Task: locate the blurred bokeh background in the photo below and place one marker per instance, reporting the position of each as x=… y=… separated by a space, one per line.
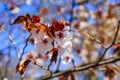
x=98 y=18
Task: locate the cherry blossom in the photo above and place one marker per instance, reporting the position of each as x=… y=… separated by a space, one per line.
x=47 y=41
x=42 y=41
x=28 y=2
x=15 y=10
x=64 y=40
x=66 y=57
x=62 y=36
x=44 y=44
x=5 y=78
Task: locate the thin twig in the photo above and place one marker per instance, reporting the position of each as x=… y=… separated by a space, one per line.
x=41 y=66
x=24 y=47
x=49 y=65
x=44 y=68
x=90 y=37
x=12 y=40
x=73 y=62
x=58 y=65
x=9 y=54
x=51 y=58
x=113 y=42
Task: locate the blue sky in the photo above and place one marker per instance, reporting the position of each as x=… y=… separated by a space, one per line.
x=19 y=36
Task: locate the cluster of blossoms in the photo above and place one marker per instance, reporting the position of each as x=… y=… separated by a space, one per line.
x=50 y=40
x=61 y=41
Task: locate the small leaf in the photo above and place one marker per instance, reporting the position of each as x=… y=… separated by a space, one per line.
x=57 y=26
x=54 y=56
x=29 y=56
x=33 y=61
x=21 y=66
x=51 y=33
x=43 y=11
x=31 y=40
x=71 y=77
x=36 y=19
x=109 y=71
x=116 y=45
x=93 y=71
x=41 y=26
x=20 y=19
x=61 y=77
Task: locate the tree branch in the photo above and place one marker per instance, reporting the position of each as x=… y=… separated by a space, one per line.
x=92 y=38
x=24 y=47
x=12 y=40
x=81 y=68
x=113 y=42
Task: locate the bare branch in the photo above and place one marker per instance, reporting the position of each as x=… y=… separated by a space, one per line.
x=24 y=47
x=41 y=66
x=90 y=37
x=49 y=65
x=118 y=27
x=81 y=68
x=113 y=42
x=12 y=40
x=44 y=68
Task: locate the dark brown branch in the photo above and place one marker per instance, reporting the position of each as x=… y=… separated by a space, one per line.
x=24 y=47
x=81 y=68
x=49 y=65
x=113 y=42
x=58 y=65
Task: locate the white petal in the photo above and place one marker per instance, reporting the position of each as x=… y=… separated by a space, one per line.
x=41 y=62
x=66 y=43
x=28 y=2
x=61 y=51
x=42 y=47
x=39 y=35
x=68 y=35
x=67 y=28
x=15 y=10
x=50 y=55
x=5 y=78
x=66 y=57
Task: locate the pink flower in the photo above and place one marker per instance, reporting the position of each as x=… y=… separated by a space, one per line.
x=63 y=38
x=37 y=34
x=66 y=57
x=44 y=44
x=42 y=41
